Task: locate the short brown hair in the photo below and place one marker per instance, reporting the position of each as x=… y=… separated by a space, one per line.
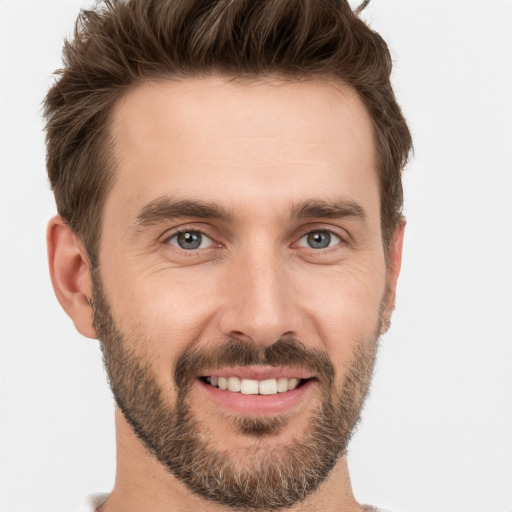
x=123 y=43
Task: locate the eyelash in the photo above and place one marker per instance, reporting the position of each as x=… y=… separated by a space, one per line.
x=183 y=231
x=321 y=231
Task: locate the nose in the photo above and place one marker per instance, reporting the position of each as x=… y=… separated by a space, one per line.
x=259 y=306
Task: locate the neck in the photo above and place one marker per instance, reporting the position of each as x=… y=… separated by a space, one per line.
x=142 y=483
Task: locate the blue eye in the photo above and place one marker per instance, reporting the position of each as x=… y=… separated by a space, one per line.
x=190 y=240
x=319 y=240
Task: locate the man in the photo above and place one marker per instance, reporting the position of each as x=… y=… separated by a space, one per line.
x=228 y=181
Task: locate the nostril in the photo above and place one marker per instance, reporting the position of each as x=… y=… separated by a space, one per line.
x=240 y=336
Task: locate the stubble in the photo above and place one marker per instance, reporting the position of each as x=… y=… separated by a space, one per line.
x=255 y=479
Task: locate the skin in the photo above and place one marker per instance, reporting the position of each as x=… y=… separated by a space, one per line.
x=257 y=149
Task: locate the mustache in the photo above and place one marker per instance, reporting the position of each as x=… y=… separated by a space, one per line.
x=289 y=352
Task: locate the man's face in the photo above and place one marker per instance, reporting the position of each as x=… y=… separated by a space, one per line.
x=241 y=247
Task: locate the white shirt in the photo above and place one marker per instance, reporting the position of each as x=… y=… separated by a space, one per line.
x=92 y=501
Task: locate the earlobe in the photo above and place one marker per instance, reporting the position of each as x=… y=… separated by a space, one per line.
x=70 y=275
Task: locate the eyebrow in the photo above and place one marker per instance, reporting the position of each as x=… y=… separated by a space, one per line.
x=166 y=208
x=338 y=209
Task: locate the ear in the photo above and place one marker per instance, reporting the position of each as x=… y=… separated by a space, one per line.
x=395 y=256
x=70 y=275
x=394 y=266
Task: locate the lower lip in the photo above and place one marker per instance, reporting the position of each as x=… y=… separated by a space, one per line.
x=258 y=405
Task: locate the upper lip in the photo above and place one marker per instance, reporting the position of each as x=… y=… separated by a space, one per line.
x=259 y=372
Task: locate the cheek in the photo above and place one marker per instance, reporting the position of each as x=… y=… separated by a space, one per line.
x=343 y=309
x=162 y=314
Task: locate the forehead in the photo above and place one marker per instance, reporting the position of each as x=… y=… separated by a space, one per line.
x=219 y=140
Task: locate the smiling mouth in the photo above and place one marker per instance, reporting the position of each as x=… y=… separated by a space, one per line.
x=253 y=386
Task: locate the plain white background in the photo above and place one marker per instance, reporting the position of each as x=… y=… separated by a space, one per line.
x=437 y=431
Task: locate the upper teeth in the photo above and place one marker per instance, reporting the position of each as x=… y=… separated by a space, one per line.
x=254 y=387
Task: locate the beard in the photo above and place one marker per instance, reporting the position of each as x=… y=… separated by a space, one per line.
x=258 y=477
